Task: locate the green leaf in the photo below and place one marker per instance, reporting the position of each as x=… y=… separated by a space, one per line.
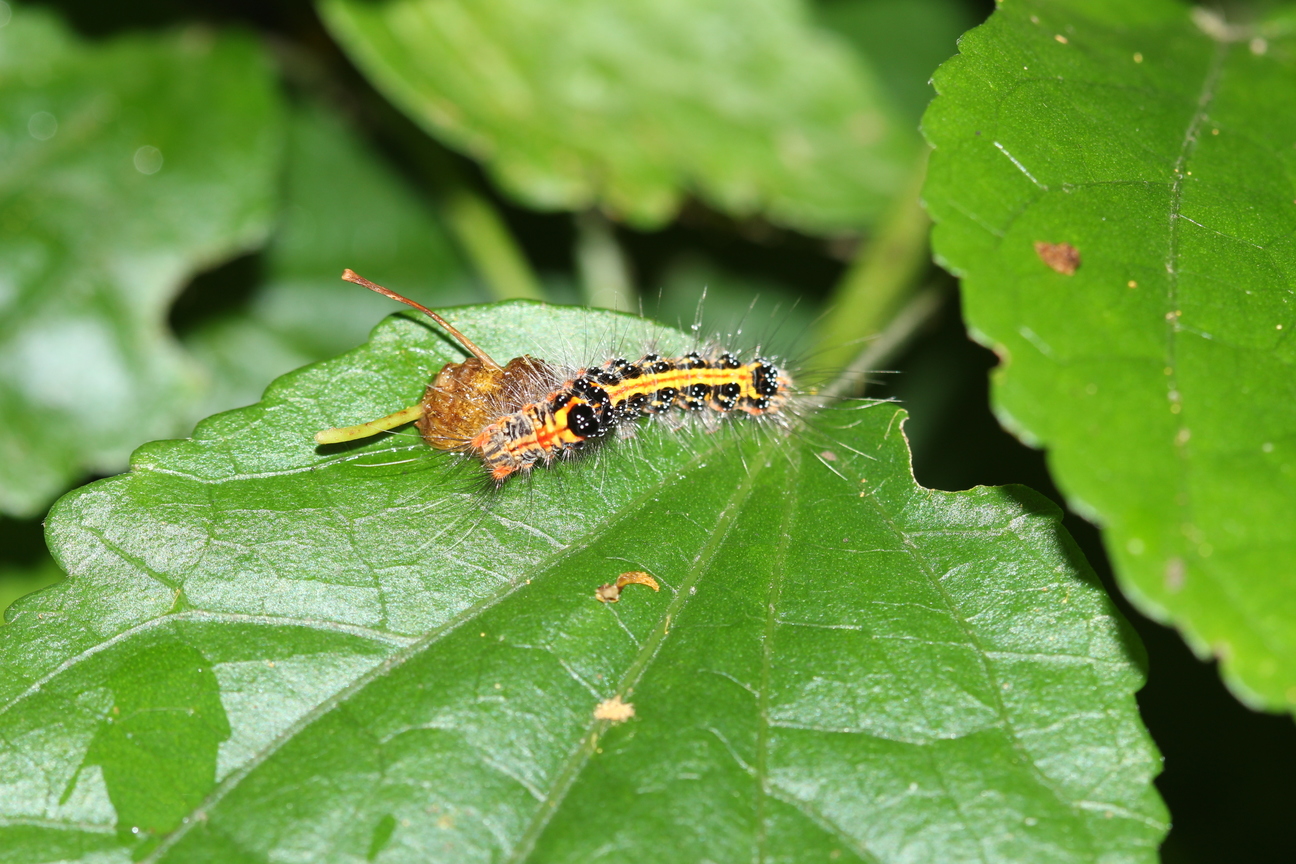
x=127 y=166
x=342 y=208
x=353 y=658
x=633 y=105
x=1161 y=144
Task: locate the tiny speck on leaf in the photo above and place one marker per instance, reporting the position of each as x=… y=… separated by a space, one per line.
x=1174 y=575
x=1062 y=257
x=614 y=709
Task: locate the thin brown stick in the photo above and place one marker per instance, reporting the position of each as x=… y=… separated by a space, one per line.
x=351 y=276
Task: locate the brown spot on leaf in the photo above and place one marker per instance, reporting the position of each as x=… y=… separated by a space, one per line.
x=1062 y=257
x=612 y=593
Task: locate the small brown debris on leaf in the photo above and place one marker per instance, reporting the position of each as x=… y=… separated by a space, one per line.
x=1062 y=257
x=612 y=593
x=614 y=709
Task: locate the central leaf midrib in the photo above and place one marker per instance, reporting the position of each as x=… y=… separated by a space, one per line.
x=1187 y=148
x=576 y=760
x=1184 y=498
x=777 y=569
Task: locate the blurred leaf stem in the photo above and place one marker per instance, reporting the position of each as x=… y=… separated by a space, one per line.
x=887 y=271
x=606 y=281
x=475 y=222
x=485 y=238
x=920 y=308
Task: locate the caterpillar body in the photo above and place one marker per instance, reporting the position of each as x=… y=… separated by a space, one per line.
x=526 y=413
x=600 y=399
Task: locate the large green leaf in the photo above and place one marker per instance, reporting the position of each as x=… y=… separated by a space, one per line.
x=265 y=651
x=343 y=207
x=126 y=167
x=1161 y=144
x=633 y=105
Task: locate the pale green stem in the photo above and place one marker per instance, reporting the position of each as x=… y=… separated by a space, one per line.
x=883 y=276
x=477 y=226
x=604 y=271
x=373 y=427
x=853 y=380
x=486 y=240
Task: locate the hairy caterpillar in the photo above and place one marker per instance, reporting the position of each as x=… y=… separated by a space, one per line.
x=528 y=412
